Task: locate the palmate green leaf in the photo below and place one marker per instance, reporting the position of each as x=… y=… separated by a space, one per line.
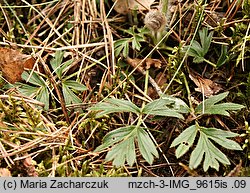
x=136 y=44
x=115 y=136
x=220 y=137
x=212 y=154
x=215 y=99
x=197 y=154
x=57 y=61
x=143 y=31
x=69 y=95
x=146 y=145
x=166 y=106
x=74 y=85
x=176 y=103
x=198 y=59
x=185 y=140
x=199 y=50
x=123 y=141
x=206 y=148
x=122 y=152
x=221 y=109
x=217 y=109
x=125 y=49
x=62 y=68
x=205 y=39
x=43 y=96
x=113 y=105
x=196 y=50
x=122 y=46
x=27 y=90
x=33 y=79
x=163 y=111
x=40 y=90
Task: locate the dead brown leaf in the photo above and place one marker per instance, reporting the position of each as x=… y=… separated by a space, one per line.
x=12 y=64
x=4 y=172
x=31 y=170
x=147 y=64
x=206 y=86
x=125 y=6
x=152 y=62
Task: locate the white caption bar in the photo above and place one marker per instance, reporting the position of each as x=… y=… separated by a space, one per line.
x=117 y=185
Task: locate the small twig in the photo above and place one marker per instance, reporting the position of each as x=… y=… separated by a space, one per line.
x=89 y=45
x=58 y=92
x=5 y=155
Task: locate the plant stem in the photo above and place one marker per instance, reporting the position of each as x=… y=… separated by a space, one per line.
x=140 y=118
x=189 y=93
x=211 y=63
x=164 y=4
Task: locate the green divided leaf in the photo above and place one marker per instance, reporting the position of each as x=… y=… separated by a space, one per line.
x=212 y=155
x=43 y=96
x=74 y=85
x=195 y=50
x=121 y=152
x=136 y=42
x=69 y=96
x=122 y=46
x=34 y=78
x=223 y=56
x=205 y=147
x=166 y=106
x=115 y=105
x=39 y=90
x=205 y=39
x=123 y=142
x=57 y=65
x=27 y=90
x=220 y=137
x=56 y=62
x=113 y=137
x=146 y=145
x=185 y=140
x=211 y=108
x=199 y=50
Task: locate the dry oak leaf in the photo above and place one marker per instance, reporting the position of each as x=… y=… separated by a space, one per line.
x=206 y=86
x=125 y=6
x=12 y=64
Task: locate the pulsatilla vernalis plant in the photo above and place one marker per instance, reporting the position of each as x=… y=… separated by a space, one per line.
x=41 y=89
x=122 y=141
x=198 y=50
